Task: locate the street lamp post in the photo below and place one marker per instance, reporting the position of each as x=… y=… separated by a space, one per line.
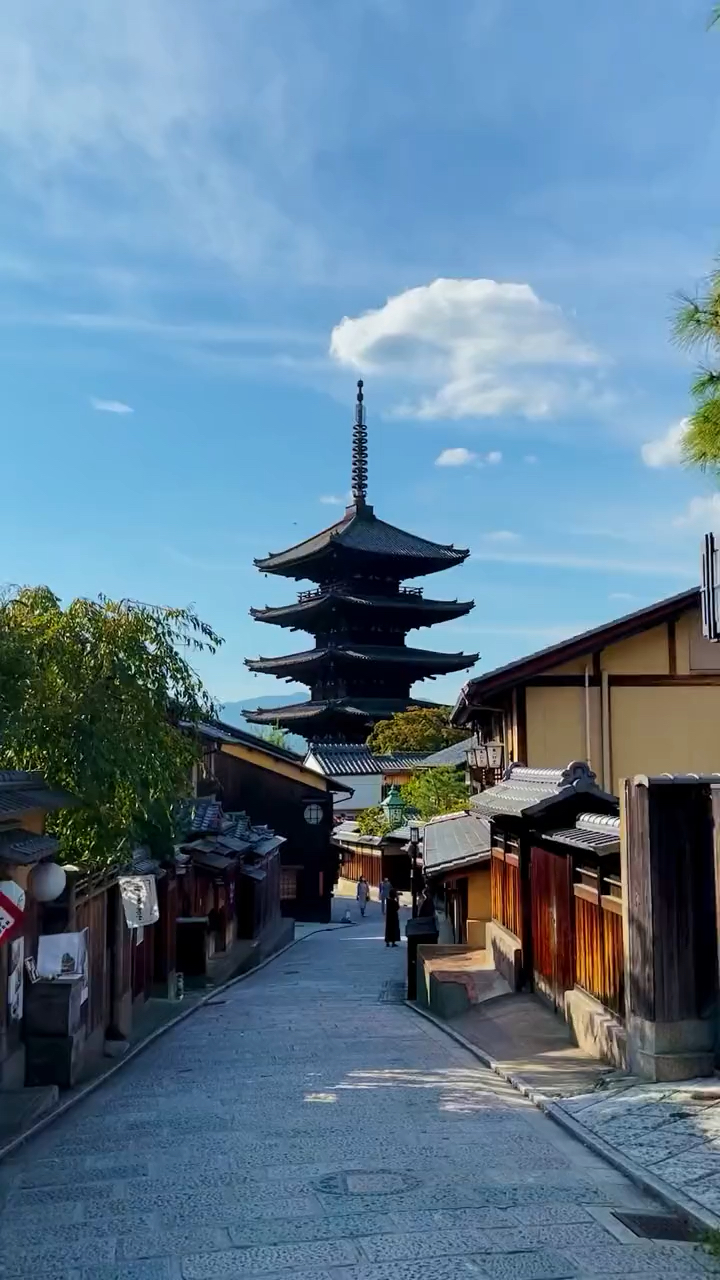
x=414 y=843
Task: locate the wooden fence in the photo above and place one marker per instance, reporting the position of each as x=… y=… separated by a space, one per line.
x=505 y=901
x=362 y=862
x=599 y=951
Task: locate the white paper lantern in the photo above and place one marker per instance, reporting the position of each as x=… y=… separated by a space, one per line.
x=48 y=881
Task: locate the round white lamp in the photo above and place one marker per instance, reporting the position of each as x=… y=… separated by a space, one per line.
x=48 y=881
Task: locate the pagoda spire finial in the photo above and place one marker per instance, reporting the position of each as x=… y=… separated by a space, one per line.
x=359 y=451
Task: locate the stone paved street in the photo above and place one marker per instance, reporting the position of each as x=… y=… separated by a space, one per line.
x=306 y=1123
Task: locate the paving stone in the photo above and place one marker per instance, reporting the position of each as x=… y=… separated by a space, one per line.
x=534 y=1264
x=649 y=1259
x=438 y=1268
x=51 y=1257
x=295 y=1230
x=156 y=1269
x=171 y=1243
x=254 y=1261
x=407 y=1246
x=48 y=1173
x=577 y=1235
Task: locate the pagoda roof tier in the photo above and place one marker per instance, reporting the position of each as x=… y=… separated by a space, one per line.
x=340 y=719
x=361 y=541
x=422 y=662
x=408 y=609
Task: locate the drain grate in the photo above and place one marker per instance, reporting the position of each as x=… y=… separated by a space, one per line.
x=392 y=992
x=657 y=1226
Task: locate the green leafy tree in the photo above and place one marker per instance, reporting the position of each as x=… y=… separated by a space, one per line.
x=98 y=697
x=432 y=792
x=697 y=327
x=419 y=729
x=274 y=735
x=373 y=821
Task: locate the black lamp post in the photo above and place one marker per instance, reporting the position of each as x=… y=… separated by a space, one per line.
x=414 y=843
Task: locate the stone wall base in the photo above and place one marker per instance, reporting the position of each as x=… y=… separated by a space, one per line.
x=680 y=1050
x=598 y=1032
x=506 y=952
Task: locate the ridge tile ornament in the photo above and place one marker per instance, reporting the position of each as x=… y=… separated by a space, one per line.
x=360 y=669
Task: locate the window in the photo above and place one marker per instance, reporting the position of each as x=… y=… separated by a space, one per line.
x=313 y=814
x=288 y=884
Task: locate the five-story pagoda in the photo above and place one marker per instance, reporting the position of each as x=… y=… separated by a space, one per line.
x=360 y=669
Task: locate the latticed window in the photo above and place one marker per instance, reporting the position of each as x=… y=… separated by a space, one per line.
x=288 y=884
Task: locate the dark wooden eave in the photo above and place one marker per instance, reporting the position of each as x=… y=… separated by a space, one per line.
x=407 y=610
x=425 y=661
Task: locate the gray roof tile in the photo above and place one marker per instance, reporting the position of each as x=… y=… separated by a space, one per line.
x=597 y=832
x=453 y=755
x=455 y=840
x=23 y=848
x=346 y=761
x=527 y=792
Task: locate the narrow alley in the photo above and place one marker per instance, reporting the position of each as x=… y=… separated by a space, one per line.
x=306 y=1123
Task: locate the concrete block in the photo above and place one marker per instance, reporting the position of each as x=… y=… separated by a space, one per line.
x=598 y=1032
x=506 y=952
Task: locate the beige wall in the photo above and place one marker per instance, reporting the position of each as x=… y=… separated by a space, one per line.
x=479 y=912
x=646 y=654
x=665 y=730
x=556 y=727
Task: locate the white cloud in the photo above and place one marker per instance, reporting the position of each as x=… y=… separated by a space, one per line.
x=133 y=128
x=501 y=535
x=701 y=513
x=493 y=457
x=666 y=451
x=530 y=458
x=111 y=406
x=480 y=348
x=455 y=458
x=599 y=564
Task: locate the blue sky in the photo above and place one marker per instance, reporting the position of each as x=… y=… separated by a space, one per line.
x=215 y=217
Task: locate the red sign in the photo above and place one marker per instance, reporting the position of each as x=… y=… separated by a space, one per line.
x=12 y=901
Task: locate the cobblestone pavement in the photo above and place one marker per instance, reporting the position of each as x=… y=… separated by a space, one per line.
x=670 y=1131
x=305 y=1123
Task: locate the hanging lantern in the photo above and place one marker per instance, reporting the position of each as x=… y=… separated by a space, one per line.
x=48 y=881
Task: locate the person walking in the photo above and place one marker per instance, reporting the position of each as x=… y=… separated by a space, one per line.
x=385 y=887
x=392 y=918
x=363 y=894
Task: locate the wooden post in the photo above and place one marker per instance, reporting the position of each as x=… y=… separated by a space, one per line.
x=668 y=853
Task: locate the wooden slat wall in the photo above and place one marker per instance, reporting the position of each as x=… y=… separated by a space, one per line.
x=363 y=862
x=599 y=953
x=91 y=914
x=505 y=902
x=552 y=923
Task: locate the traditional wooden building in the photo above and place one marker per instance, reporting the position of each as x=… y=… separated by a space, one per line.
x=360 y=669
x=272 y=785
x=370 y=776
x=640 y=695
x=532 y=907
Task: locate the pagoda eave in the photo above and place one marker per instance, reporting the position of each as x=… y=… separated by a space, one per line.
x=415 y=663
x=407 y=610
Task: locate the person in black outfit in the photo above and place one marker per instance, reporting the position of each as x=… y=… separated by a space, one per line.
x=392 y=919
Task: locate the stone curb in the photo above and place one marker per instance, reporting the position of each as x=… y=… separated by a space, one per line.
x=45 y=1121
x=689 y=1209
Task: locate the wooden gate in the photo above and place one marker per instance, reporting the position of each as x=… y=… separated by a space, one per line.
x=552 y=925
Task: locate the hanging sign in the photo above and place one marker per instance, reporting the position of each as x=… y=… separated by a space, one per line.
x=15 y=980
x=139 y=899
x=12 y=904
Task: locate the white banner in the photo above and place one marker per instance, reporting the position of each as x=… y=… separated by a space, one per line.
x=139 y=899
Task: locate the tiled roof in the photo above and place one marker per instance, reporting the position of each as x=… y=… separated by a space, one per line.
x=21 y=791
x=395 y=655
x=413 y=607
x=455 y=840
x=24 y=849
x=597 y=832
x=454 y=755
x=358 y=708
x=346 y=761
x=526 y=792
x=361 y=531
